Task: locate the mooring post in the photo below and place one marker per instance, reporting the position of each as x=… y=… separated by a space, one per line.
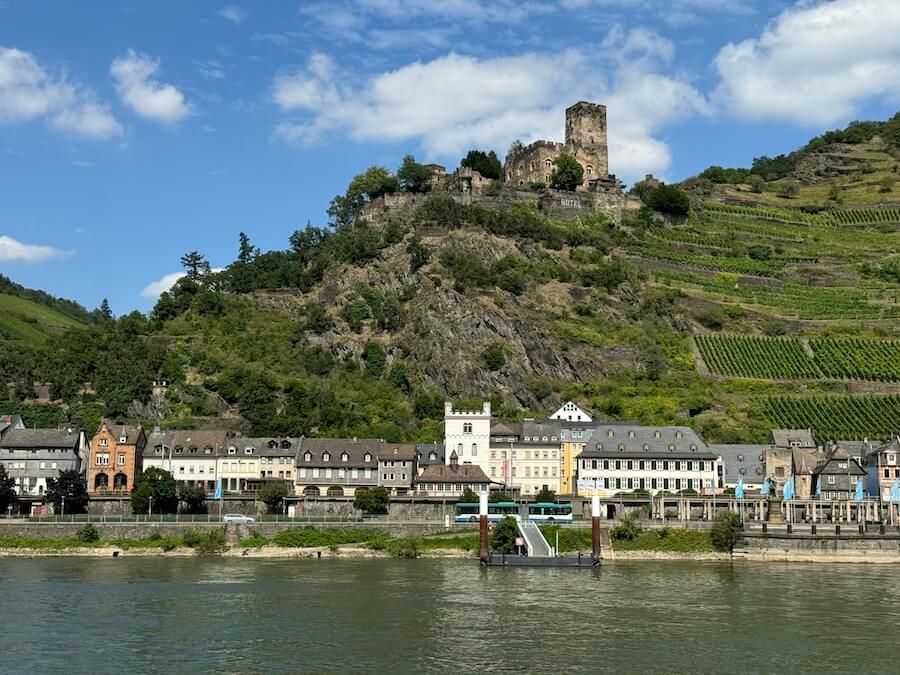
x=595 y=527
x=483 y=526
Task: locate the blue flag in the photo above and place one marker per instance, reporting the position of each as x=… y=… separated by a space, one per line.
x=764 y=488
x=789 y=489
x=218 y=494
x=818 y=488
x=739 y=489
x=895 y=491
x=859 y=490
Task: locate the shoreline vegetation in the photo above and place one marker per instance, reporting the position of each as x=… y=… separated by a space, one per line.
x=347 y=543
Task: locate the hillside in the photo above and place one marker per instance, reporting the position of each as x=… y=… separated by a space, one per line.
x=774 y=302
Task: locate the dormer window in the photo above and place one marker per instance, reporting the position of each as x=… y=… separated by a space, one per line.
x=232 y=450
x=345 y=456
x=178 y=450
x=544 y=439
x=285 y=444
x=609 y=433
x=307 y=456
x=273 y=444
x=671 y=447
x=367 y=457
x=657 y=434
x=193 y=449
x=693 y=447
x=631 y=434
x=207 y=450
x=528 y=438
x=248 y=451
x=646 y=447
x=326 y=456
x=553 y=438
x=740 y=458
x=677 y=434
x=123 y=439
x=621 y=447
x=432 y=456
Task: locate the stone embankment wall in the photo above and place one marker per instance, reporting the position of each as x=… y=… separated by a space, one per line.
x=866 y=548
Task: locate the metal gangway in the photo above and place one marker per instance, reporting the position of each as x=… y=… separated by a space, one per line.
x=535 y=543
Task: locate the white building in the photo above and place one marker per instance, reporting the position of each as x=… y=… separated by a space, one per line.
x=625 y=458
x=525 y=456
x=467 y=434
x=192 y=456
x=571 y=412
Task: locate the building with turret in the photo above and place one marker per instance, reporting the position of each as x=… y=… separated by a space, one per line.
x=585 y=140
x=467 y=436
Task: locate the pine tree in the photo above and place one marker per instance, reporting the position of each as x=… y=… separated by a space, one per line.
x=195 y=265
x=105 y=311
x=246 y=251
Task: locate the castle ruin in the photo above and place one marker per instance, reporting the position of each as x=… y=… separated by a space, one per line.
x=585 y=141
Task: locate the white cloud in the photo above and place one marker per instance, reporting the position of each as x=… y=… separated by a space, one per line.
x=234 y=14
x=815 y=63
x=148 y=98
x=210 y=69
x=28 y=91
x=456 y=102
x=12 y=250
x=156 y=288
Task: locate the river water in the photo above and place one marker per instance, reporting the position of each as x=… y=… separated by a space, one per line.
x=73 y=615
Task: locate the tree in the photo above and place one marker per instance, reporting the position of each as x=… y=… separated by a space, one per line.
x=371 y=500
x=418 y=254
x=193 y=497
x=503 y=536
x=69 y=485
x=545 y=495
x=374 y=356
x=7 y=490
x=468 y=496
x=156 y=485
x=195 y=265
x=246 y=251
x=272 y=494
x=487 y=164
x=495 y=497
x=105 y=311
x=669 y=199
x=568 y=173
x=414 y=177
x=790 y=189
x=494 y=357
x=726 y=532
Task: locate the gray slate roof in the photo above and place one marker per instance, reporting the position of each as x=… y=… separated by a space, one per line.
x=782 y=438
x=356 y=449
x=453 y=473
x=424 y=451
x=630 y=440
x=42 y=438
x=741 y=459
x=216 y=439
x=267 y=446
x=131 y=432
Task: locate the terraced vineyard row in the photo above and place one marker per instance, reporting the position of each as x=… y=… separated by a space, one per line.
x=707 y=262
x=784 y=358
x=859 y=359
x=795 y=300
x=836 y=417
x=763 y=357
x=863 y=216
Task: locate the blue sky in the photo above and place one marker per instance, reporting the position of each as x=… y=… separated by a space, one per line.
x=131 y=133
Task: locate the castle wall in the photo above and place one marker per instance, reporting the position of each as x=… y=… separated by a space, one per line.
x=533 y=163
x=586 y=139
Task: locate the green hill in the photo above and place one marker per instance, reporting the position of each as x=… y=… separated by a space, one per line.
x=30 y=321
x=774 y=301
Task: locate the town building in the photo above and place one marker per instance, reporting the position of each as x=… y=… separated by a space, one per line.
x=525 y=456
x=115 y=458
x=337 y=467
x=451 y=480
x=882 y=466
x=397 y=467
x=787 y=449
x=741 y=461
x=10 y=422
x=572 y=412
x=33 y=456
x=192 y=456
x=468 y=434
x=836 y=475
x=428 y=454
x=626 y=457
x=574 y=437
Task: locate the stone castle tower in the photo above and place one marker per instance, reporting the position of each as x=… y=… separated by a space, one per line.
x=585 y=140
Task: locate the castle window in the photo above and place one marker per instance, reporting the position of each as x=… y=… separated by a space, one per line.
x=532 y=166
x=590 y=171
x=521 y=169
x=548 y=163
x=521 y=182
x=467 y=428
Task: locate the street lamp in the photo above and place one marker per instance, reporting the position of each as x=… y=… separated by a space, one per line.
x=149 y=506
x=63 y=509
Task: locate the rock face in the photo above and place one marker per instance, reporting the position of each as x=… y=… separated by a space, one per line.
x=442 y=331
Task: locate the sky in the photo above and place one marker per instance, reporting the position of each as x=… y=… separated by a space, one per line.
x=133 y=132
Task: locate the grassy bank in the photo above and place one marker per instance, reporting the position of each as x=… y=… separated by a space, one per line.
x=666 y=539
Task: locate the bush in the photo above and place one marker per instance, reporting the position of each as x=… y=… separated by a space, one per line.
x=669 y=199
x=494 y=357
x=503 y=536
x=726 y=532
x=789 y=189
x=371 y=500
x=206 y=543
x=87 y=534
x=568 y=173
x=627 y=530
x=711 y=317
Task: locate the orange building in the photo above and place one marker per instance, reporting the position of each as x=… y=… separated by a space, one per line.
x=115 y=458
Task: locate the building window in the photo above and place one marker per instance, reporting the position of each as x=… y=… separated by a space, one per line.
x=307 y=456
x=345 y=456
x=102 y=459
x=103 y=442
x=467 y=428
x=232 y=451
x=474 y=449
x=831 y=480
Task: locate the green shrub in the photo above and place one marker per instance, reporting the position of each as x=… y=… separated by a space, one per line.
x=627 y=530
x=87 y=534
x=503 y=536
x=494 y=357
x=726 y=532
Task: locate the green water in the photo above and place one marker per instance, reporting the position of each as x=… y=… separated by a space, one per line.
x=71 y=615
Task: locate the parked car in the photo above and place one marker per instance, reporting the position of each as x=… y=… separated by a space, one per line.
x=237 y=518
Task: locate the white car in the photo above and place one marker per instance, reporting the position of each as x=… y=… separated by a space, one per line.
x=237 y=518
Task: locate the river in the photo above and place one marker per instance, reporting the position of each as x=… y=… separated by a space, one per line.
x=75 y=615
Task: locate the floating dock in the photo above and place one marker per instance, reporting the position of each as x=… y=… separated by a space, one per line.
x=512 y=560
